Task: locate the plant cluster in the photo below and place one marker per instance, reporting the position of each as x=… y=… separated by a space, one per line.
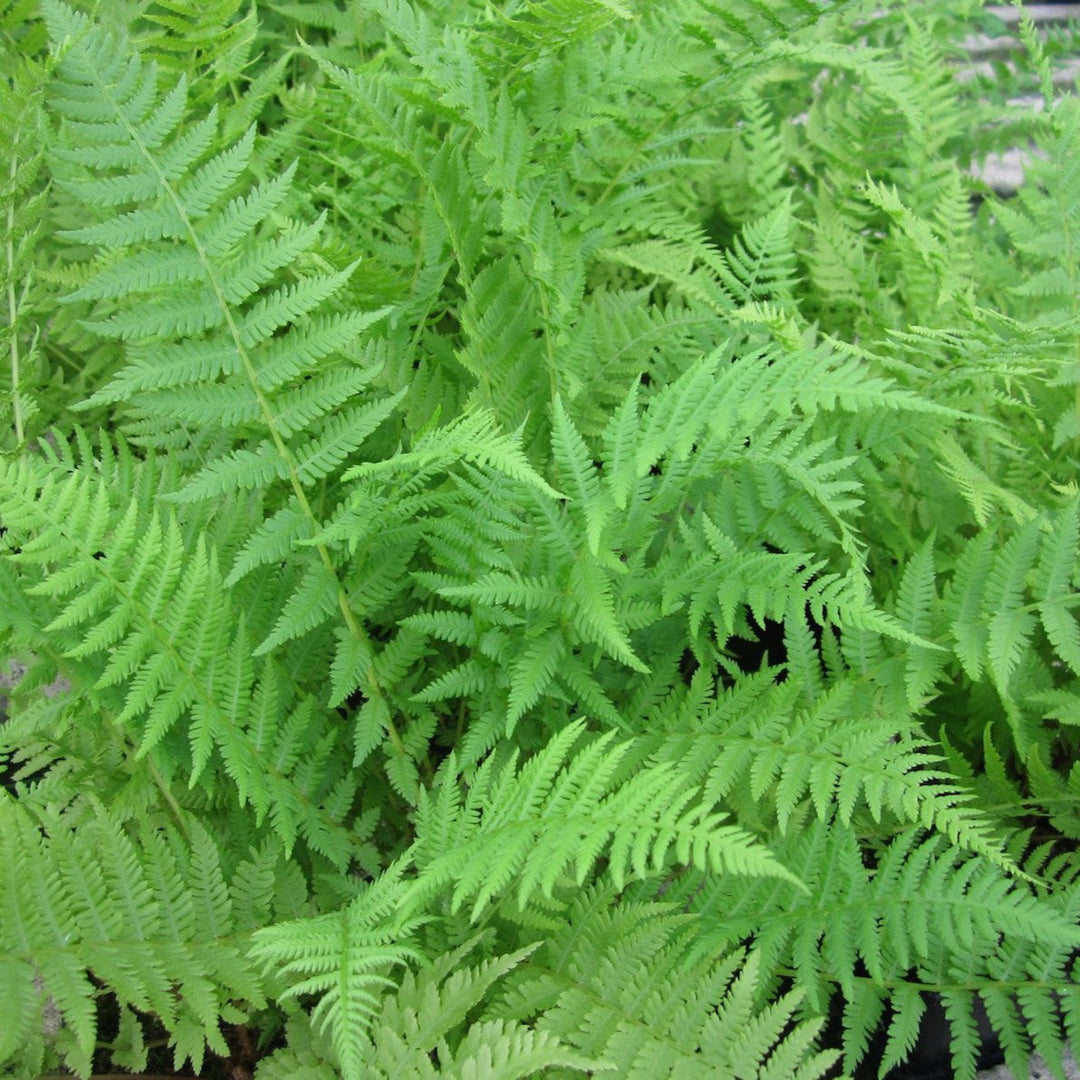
x=556 y=524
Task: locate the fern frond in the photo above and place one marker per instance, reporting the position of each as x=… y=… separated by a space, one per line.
x=916 y=609
x=473 y=437
x=842 y=755
x=424 y=1022
x=979 y=490
x=686 y=1017
x=570 y=808
x=1054 y=584
x=760 y=263
x=1010 y=623
x=211 y=43
x=344 y=957
x=122 y=595
x=950 y=936
x=142 y=911
x=208 y=275
x=22 y=206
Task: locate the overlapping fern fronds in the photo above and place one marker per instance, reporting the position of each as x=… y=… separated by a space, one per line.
x=138 y=620
x=695 y=1017
x=570 y=562
x=145 y=912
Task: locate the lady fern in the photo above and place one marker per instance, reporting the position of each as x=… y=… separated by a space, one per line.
x=544 y=541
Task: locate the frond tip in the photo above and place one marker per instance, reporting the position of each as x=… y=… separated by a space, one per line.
x=346 y=958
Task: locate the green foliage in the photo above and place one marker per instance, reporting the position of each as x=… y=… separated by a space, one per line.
x=543 y=538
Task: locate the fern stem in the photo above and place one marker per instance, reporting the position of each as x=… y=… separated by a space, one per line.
x=553 y=374
x=13 y=311
x=373 y=689
x=168 y=796
x=1010 y=986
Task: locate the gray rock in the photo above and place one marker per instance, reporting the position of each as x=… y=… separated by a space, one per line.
x=1039 y=1071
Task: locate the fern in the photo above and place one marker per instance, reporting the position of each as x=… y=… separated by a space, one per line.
x=591 y=996
x=164 y=655
x=344 y=956
x=149 y=914
x=542 y=539
x=21 y=211
x=827 y=935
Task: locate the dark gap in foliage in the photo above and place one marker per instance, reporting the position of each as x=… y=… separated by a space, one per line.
x=688 y=666
x=929 y=1058
x=720 y=229
x=765 y=649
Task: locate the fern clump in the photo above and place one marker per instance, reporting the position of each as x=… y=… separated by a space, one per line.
x=544 y=540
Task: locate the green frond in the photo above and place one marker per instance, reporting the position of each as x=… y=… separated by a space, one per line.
x=213 y=44
x=849 y=922
x=570 y=808
x=759 y=159
x=965 y=598
x=346 y=958
x=213 y=299
x=1054 y=581
x=578 y=475
x=685 y=1018
x=674 y=263
x=1010 y=620
x=123 y=597
x=843 y=754
x=760 y=263
x=22 y=211
x=979 y=490
x=531 y=674
x=916 y=604
x=475 y=438
x=422 y=1029
x=1042 y=231
x=145 y=913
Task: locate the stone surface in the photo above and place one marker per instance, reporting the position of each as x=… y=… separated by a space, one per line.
x=1039 y=1071
x=10 y=674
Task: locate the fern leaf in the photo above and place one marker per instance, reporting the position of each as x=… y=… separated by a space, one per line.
x=915 y=602
x=595 y=615
x=760 y=264
x=531 y=674
x=620 y=448
x=674 y=263
x=838 y=762
x=94 y=898
x=1052 y=582
x=345 y=957
x=224 y=294
x=1011 y=625
x=568 y=810
x=474 y=438
x=152 y=651
x=578 y=473
x=687 y=1018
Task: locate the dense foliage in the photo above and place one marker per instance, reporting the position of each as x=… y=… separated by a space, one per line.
x=550 y=532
